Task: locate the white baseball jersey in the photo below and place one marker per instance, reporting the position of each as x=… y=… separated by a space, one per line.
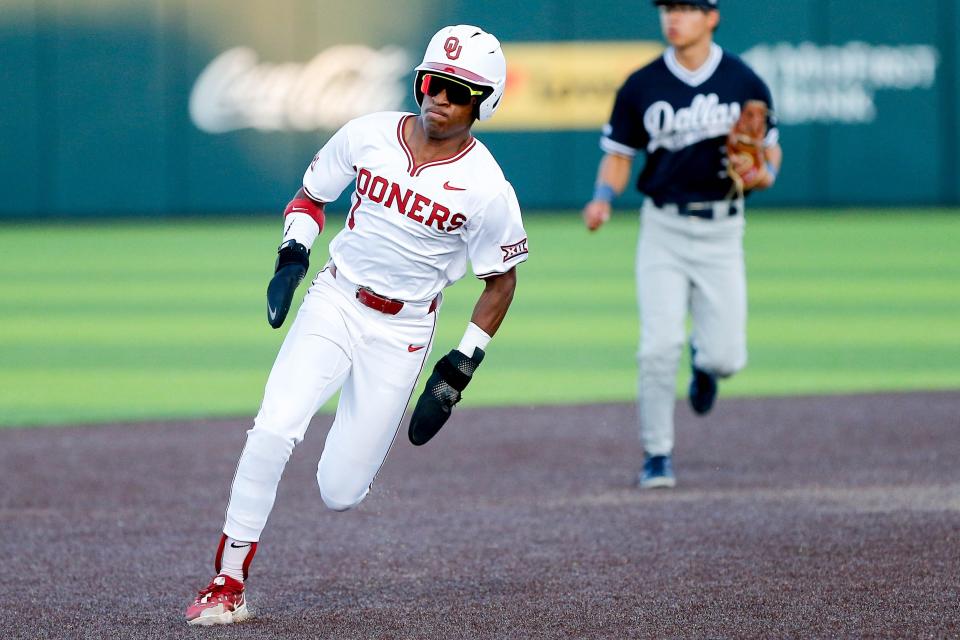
x=409 y=233
x=412 y=227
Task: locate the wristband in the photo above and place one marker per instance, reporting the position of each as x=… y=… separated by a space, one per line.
x=473 y=338
x=771 y=170
x=292 y=252
x=604 y=192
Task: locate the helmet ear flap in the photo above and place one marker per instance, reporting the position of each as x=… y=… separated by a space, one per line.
x=478 y=100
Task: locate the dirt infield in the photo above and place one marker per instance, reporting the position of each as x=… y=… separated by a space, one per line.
x=810 y=517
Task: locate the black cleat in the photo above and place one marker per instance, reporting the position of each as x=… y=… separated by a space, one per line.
x=703 y=387
x=702 y=392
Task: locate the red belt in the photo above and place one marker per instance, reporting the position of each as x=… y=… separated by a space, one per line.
x=369 y=298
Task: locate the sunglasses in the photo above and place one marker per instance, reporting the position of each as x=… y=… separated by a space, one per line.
x=457 y=92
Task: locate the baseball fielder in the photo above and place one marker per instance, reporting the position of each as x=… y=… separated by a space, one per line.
x=679 y=111
x=427 y=197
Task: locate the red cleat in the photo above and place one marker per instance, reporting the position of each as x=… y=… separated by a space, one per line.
x=221 y=602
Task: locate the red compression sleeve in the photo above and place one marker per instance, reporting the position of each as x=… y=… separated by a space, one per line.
x=301 y=203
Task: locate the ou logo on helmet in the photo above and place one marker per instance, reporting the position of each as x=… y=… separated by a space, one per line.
x=453 y=47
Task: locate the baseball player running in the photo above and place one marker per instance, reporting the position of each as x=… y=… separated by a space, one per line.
x=679 y=110
x=427 y=197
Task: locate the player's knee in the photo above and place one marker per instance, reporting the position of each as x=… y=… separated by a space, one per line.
x=266 y=442
x=660 y=355
x=282 y=423
x=339 y=500
x=724 y=364
x=336 y=505
x=339 y=495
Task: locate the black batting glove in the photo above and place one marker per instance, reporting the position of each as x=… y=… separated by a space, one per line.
x=443 y=390
x=293 y=260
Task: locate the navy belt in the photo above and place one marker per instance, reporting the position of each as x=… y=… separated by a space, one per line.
x=704 y=210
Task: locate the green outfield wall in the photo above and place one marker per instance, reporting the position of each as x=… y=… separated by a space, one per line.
x=153 y=107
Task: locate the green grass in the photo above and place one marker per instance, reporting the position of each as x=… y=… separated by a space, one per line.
x=124 y=321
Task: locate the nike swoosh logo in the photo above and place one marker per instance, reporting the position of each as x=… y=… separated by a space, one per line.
x=450 y=187
x=272 y=312
x=414 y=348
x=239 y=546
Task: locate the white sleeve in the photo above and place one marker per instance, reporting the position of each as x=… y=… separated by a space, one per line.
x=331 y=169
x=300 y=228
x=496 y=239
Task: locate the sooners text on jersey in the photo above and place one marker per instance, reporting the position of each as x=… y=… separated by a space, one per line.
x=407 y=202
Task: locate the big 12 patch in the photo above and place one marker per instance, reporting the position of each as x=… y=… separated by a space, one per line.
x=513 y=250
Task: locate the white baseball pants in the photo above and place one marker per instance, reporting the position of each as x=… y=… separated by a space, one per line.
x=335 y=342
x=686 y=264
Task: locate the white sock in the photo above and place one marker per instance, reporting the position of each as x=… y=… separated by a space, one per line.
x=235 y=553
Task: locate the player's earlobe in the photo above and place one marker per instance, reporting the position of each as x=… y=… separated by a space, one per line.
x=716 y=21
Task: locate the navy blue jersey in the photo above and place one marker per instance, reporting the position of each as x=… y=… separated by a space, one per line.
x=681 y=119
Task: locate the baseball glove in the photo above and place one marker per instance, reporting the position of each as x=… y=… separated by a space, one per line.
x=746 y=164
x=443 y=390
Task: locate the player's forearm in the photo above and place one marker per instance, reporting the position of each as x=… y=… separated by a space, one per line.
x=614 y=171
x=494 y=302
x=774 y=158
x=612 y=177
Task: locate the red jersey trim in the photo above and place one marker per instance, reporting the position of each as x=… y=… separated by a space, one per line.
x=403 y=143
x=351 y=221
x=412 y=167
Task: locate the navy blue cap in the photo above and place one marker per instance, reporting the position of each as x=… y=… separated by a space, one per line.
x=703 y=4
